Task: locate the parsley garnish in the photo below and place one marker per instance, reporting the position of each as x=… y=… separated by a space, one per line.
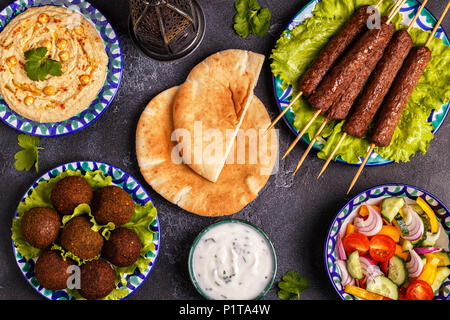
x=251 y=18
x=38 y=65
x=29 y=156
x=292 y=285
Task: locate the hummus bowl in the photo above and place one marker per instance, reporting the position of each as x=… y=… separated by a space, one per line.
x=91 y=68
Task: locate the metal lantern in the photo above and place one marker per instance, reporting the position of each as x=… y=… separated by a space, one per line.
x=166 y=29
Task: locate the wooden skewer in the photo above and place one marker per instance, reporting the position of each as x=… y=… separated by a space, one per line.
x=395 y=10
x=300 y=135
x=361 y=167
x=332 y=154
x=438 y=23
x=416 y=16
x=372 y=146
x=299 y=94
x=344 y=135
x=284 y=111
x=311 y=144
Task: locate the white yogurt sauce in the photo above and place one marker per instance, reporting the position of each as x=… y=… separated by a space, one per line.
x=232 y=261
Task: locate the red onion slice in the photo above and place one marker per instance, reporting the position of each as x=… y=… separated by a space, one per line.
x=340 y=249
x=345 y=276
x=426 y=250
x=415 y=265
x=369 y=268
x=372 y=225
x=413 y=223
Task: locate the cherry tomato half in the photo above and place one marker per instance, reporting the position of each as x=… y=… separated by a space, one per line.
x=419 y=290
x=384 y=266
x=382 y=248
x=356 y=241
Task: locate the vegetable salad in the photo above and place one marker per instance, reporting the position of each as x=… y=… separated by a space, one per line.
x=389 y=252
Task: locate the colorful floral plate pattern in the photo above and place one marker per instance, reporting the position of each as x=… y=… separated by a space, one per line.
x=126 y=182
x=106 y=94
x=374 y=195
x=426 y=21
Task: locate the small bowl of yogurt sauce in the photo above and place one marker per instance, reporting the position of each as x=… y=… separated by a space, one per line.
x=232 y=260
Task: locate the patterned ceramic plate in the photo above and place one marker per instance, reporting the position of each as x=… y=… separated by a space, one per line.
x=426 y=22
x=106 y=94
x=126 y=182
x=373 y=196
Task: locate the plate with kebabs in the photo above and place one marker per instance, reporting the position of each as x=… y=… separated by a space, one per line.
x=316 y=75
x=86 y=230
x=390 y=242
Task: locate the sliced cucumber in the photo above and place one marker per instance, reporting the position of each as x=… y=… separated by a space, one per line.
x=401 y=224
x=444 y=258
x=398 y=272
x=390 y=207
x=354 y=266
x=441 y=275
x=383 y=286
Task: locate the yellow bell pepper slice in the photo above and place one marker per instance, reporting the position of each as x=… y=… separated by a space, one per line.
x=391 y=231
x=364 y=211
x=429 y=271
x=434 y=224
x=402 y=254
x=350 y=229
x=361 y=293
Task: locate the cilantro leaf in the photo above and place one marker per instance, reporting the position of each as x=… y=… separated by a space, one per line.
x=38 y=66
x=292 y=285
x=29 y=156
x=250 y=18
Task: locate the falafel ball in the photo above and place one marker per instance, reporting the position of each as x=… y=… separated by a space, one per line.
x=112 y=204
x=78 y=237
x=70 y=192
x=40 y=227
x=51 y=270
x=123 y=247
x=97 y=279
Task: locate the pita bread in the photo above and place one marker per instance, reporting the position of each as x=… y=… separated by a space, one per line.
x=238 y=184
x=215 y=96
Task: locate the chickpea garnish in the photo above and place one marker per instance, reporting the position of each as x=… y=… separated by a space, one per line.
x=43 y=18
x=64 y=55
x=79 y=30
x=84 y=79
x=48 y=44
x=29 y=100
x=11 y=61
x=63 y=68
x=62 y=44
x=49 y=90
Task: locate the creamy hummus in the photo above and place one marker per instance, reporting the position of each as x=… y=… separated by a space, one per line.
x=71 y=40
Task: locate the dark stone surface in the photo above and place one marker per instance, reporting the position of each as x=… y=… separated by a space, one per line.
x=294 y=212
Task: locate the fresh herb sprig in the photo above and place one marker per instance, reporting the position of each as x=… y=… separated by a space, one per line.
x=250 y=18
x=292 y=285
x=29 y=156
x=39 y=66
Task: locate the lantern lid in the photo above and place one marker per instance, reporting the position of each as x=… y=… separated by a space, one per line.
x=166 y=29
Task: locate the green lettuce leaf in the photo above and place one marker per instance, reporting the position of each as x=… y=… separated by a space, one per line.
x=297 y=48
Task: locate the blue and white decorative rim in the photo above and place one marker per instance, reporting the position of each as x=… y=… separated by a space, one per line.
x=106 y=94
x=119 y=178
x=373 y=194
x=426 y=21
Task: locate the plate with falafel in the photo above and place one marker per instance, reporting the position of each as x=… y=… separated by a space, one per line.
x=86 y=230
